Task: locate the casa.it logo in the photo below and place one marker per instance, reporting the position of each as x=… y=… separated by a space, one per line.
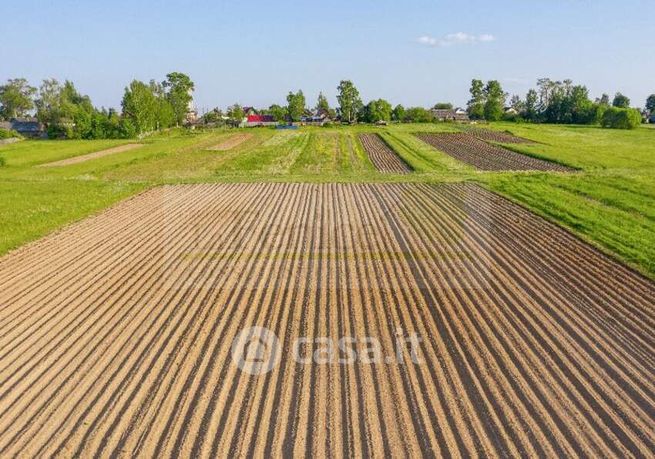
x=256 y=350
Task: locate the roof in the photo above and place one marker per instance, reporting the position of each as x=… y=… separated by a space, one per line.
x=22 y=126
x=261 y=119
x=457 y=114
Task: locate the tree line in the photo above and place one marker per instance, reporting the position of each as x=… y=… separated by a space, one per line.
x=557 y=102
x=66 y=113
x=152 y=106
x=350 y=109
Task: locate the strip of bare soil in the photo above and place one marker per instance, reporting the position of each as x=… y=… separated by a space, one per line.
x=232 y=142
x=383 y=157
x=478 y=153
x=494 y=136
x=94 y=155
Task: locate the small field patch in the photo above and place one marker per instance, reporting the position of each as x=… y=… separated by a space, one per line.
x=383 y=157
x=232 y=142
x=490 y=135
x=94 y=155
x=484 y=156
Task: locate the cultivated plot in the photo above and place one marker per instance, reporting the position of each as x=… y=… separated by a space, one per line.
x=494 y=136
x=94 y=155
x=382 y=155
x=484 y=156
x=116 y=334
x=232 y=142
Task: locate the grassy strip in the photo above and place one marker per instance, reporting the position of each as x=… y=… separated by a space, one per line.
x=30 y=210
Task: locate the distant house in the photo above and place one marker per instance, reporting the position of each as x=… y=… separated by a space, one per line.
x=26 y=127
x=253 y=120
x=457 y=114
x=315 y=120
x=249 y=111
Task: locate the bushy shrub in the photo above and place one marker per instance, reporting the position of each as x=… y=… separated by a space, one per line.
x=7 y=134
x=621 y=118
x=417 y=115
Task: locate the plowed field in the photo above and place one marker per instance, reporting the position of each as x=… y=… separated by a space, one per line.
x=116 y=332
x=382 y=156
x=494 y=136
x=231 y=142
x=478 y=153
x=94 y=155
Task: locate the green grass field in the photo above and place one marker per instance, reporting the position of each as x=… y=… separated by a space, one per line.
x=609 y=202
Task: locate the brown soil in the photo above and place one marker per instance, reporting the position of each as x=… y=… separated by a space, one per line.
x=383 y=157
x=478 y=153
x=232 y=142
x=94 y=155
x=115 y=333
x=494 y=136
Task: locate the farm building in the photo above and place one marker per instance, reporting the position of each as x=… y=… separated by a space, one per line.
x=315 y=120
x=457 y=114
x=28 y=127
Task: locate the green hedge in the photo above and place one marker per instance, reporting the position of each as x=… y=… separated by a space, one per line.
x=621 y=118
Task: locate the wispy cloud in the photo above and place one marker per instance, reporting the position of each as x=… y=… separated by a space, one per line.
x=459 y=38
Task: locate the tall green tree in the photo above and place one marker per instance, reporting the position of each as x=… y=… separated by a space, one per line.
x=475 y=106
x=140 y=107
x=322 y=105
x=295 y=105
x=166 y=115
x=603 y=100
x=67 y=113
x=179 y=92
x=398 y=113
x=621 y=101
x=650 y=104
x=235 y=113
x=278 y=112
x=49 y=102
x=531 y=110
x=517 y=103
x=16 y=98
x=377 y=110
x=494 y=105
x=349 y=101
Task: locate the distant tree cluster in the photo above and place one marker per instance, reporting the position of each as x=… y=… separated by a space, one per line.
x=558 y=102
x=66 y=113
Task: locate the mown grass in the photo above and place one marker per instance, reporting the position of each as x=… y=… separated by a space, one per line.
x=608 y=201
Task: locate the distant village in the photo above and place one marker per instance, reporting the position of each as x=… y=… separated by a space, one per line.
x=58 y=110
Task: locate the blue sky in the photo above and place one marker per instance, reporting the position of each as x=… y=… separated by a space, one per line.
x=254 y=52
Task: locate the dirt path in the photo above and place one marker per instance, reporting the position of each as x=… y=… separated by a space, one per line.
x=116 y=333
x=232 y=142
x=94 y=155
x=382 y=155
